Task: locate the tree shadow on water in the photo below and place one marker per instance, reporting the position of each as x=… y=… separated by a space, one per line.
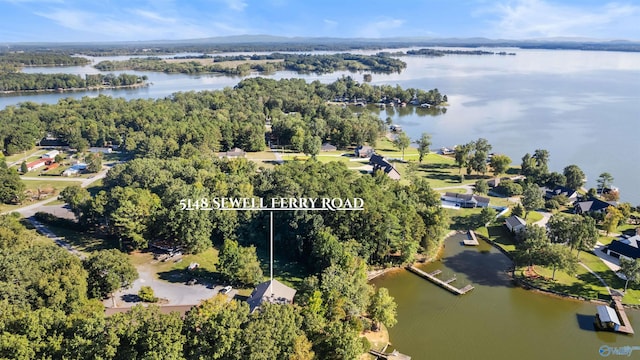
x=482 y=268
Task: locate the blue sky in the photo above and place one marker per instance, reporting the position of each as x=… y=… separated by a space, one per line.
x=116 y=20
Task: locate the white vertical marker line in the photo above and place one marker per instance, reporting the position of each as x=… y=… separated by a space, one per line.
x=271 y=251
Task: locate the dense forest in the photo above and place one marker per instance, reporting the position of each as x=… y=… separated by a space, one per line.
x=16 y=82
x=441 y=52
x=42 y=59
x=398 y=219
x=50 y=309
x=191 y=123
x=293 y=62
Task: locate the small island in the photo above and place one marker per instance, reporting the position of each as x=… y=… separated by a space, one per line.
x=240 y=65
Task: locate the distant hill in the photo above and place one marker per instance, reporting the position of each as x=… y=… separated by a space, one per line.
x=280 y=43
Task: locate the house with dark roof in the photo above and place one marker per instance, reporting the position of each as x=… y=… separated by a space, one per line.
x=570 y=194
x=380 y=163
x=466 y=200
x=625 y=247
x=591 y=206
x=515 y=223
x=328 y=147
x=364 y=151
x=274 y=292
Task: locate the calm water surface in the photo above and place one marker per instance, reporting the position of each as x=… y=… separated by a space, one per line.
x=493 y=321
x=582 y=106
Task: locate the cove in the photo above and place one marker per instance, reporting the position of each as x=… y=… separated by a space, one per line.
x=497 y=320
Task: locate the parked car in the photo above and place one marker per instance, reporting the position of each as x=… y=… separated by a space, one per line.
x=192 y=282
x=225 y=289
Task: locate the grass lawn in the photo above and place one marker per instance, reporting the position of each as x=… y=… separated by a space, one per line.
x=533 y=216
x=606 y=239
x=57 y=186
x=29 y=153
x=175 y=270
x=261 y=155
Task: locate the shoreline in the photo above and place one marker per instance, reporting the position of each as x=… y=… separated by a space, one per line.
x=422 y=260
x=91 y=88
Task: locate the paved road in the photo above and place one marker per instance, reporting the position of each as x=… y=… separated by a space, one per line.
x=57 y=239
x=175 y=293
x=545 y=218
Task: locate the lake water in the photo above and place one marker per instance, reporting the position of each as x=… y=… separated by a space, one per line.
x=582 y=106
x=495 y=320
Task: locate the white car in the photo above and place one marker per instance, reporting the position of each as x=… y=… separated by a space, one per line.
x=225 y=289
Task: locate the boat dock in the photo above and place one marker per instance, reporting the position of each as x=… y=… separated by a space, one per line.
x=446 y=284
x=625 y=327
x=395 y=355
x=472 y=240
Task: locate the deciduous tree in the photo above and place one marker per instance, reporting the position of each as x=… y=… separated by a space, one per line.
x=108 y=271
x=382 y=308
x=532 y=198
x=500 y=163
x=631 y=271
x=402 y=141
x=423 y=146
x=575 y=177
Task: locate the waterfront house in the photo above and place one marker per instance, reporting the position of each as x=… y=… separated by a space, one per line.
x=380 y=163
x=592 y=205
x=364 y=151
x=466 y=200
x=328 y=147
x=515 y=223
x=625 y=247
x=570 y=194
x=274 y=292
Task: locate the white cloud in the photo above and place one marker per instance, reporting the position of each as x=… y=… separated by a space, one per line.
x=237 y=5
x=123 y=28
x=379 y=28
x=539 y=18
x=152 y=16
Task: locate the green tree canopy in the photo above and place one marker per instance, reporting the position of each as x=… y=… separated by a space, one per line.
x=108 y=271
x=423 y=146
x=382 y=308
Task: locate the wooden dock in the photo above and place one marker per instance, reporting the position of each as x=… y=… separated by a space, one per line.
x=472 y=240
x=395 y=355
x=442 y=283
x=625 y=327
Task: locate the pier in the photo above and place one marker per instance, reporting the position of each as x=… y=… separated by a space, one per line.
x=395 y=355
x=446 y=284
x=472 y=240
x=625 y=327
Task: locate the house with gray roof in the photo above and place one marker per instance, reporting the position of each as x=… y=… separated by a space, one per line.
x=274 y=292
x=466 y=200
x=592 y=205
x=515 y=223
x=380 y=163
x=364 y=151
